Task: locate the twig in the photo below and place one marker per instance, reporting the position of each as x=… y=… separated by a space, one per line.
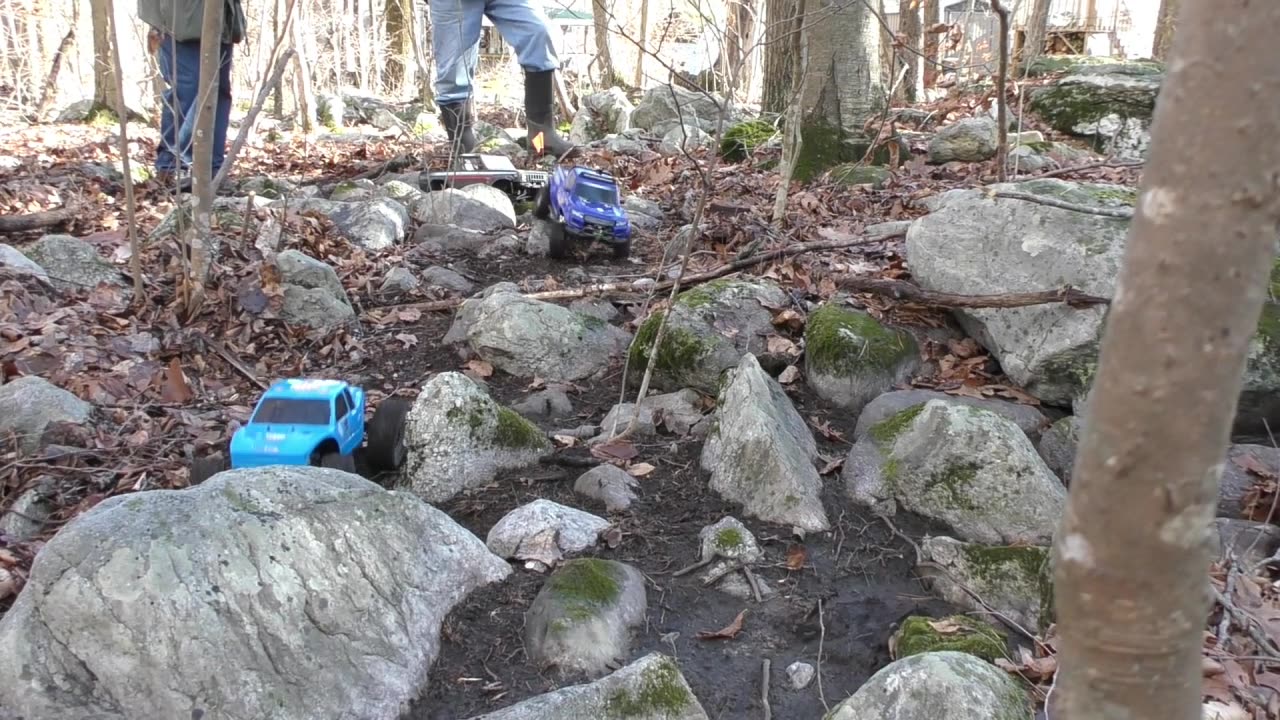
x=717 y=575
x=696 y=566
x=233 y=361
x=1122 y=213
x=1225 y=623
x=822 y=637
x=1085 y=166
x=754 y=583
x=263 y=93
x=1002 y=70
x=764 y=688
x=130 y=202
x=1246 y=621
x=901 y=290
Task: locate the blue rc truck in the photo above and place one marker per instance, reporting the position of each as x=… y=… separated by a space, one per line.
x=313 y=422
x=581 y=203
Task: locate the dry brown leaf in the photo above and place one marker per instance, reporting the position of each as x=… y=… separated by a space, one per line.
x=728 y=632
x=409 y=315
x=789 y=375
x=789 y=320
x=640 y=469
x=407 y=339
x=780 y=345
x=478 y=368
x=566 y=440
x=175 y=390
x=797 y=556
x=832 y=466
x=946 y=626
x=615 y=450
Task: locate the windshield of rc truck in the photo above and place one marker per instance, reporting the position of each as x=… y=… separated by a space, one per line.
x=279 y=411
x=596 y=194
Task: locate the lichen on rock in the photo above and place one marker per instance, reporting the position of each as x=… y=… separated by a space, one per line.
x=958 y=633
x=582 y=619
x=940 y=685
x=1015 y=580
x=850 y=357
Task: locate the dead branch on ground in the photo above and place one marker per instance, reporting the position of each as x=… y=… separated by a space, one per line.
x=909 y=292
x=36 y=220
x=1120 y=213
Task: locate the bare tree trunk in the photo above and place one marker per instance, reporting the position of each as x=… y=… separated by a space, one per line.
x=201 y=243
x=1131 y=554
x=910 y=26
x=731 y=65
x=1002 y=100
x=104 y=82
x=122 y=114
x=400 y=63
x=604 y=59
x=932 y=18
x=51 y=81
x=781 y=20
x=277 y=92
x=1166 y=23
x=644 y=42
x=1037 y=32
x=842 y=84
x=792 y=137
x=302 y=75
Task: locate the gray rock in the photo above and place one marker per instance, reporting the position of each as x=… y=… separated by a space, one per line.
x=73 y=265
x=403 y=192
x=678 y=412
x=441 y=277
x=310 y=593
x=761 y=454
x=13 y=259
x=609 y=484
x=26 y=517
x=384 y=119
x=938 y=686
x=314 y=308
x=29 y=404
x=353 y=190
x=667 y=105
x=710 y=328
x=538 y=244
x=298 y=268
x=643 y=214
x=1026 y=159
x=399 y=280
x=967 y=140
x=963 y=466
x=1057 y=447
x=800 y=674
x=1016 y=581
x=582 y=619
x=9 y=163
x=459 y=438
x=1236 y=481
x=1028 y=418
x=373 y=224
x=628 y=692
x=468 y=209
x=684 y=138
x=271 y=188
x=602 y=309
x=730 y=539
x=451 y=237
x=551 y=403
x=850 y=358
x=600 y=114
x=1248 y=543
x=77 y=111
x=1112 y=109
x=527 y=337
x=623 y=145
x=544 y=532
x=974 y=244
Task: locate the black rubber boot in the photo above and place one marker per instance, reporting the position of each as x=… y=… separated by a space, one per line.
x=456 y=118
x=539 y=110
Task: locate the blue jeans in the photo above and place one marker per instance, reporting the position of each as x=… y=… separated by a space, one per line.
x=455 y=37
x=180 y=68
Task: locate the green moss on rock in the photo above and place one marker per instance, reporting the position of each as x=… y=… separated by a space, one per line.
x=585 y=585
x=839 y=341
x=953 y=482
x=744 y=137
x=854 y=174
x=888 y=429
x=660 y=692
x=513 y=431
x=1025 y=565
x=680 y=353
x=729 y=538
x=958 y=633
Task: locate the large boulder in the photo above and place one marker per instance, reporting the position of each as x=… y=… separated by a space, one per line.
x=30 y=404
x=467 y=209
x=284 y=592
x=684 y=139
x=313 y=294
x=608 y=484
x=601 y=114
x=963 y=466
x=12 y=259
x=1057 y=447
x=459 y=438
x=850 y=358
x=582 y=619
x=1111 y=105
x=73 y=265
x=968 y=140
x=937 y=686
x=374 y=224
x=974 y=244
x=708 y=330
x=298 y=268
x=527 y=337
x=761 y=454
x=667 y=106
x=650 y=688
x=1013 y=580
x=1027 y=417
x=544 y=532
x=1237 y=481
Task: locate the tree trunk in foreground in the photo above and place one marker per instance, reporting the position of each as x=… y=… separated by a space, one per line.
x=781 y=21
x=910 y=16
x=1037 y=31
x=104 y=78
x=1131 y=557
x=1166 y=23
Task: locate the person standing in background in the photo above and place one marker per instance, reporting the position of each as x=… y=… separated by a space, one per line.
x=174 y=37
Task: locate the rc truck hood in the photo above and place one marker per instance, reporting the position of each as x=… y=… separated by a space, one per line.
x=266 y=444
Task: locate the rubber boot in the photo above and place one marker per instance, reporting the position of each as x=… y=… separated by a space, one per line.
x=456 y=118
x=539 y=104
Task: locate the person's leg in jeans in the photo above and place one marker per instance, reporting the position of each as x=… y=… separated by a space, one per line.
x=524 y=26
x=455 y=37
x=222 y=111
x=178 y=99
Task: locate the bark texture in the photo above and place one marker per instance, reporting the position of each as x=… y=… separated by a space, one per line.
x=399 y=71
x=780 y=63
x=604 y=59
x=932 y=16
x=1037 y=30
x=1166 y=23
x=910 y=27
x=1130 y=556
x=104 y=73
x=735 y=56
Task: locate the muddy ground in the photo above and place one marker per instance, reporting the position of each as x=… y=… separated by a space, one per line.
x=861 y=572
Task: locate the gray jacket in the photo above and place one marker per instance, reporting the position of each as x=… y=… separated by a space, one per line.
x=182 y=18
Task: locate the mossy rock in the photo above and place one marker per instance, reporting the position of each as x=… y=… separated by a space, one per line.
x=824 y=147
x=583 y=617
x=744 y=137
x=854 y=174
x=850 y=357
x=1015 y=580
x=1075 y=103
x=661 y=692
x=958 y=633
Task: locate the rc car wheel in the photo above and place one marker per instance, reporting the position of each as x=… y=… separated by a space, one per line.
x=622 y=250
x=203 y=468
x=338 y=461
x=542 y=203
x=559 y=242
x=385 y=434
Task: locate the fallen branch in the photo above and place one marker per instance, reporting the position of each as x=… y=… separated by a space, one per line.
x=901 y=290
x=754 y=583
x=1085 y=166
x=696 y=566
x=35 y=220
x=1121 y=213
x=764 y=689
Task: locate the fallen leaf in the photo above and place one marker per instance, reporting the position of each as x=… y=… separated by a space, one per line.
x=780 y=345
x=728 y=632
x=832 y=466
x=409 y=315
x=478 y=368
x=565 y=440
x=789 y=375
x=408 y=340
x=789 y=319
x=640 y=469
x=615 y=450
x=797 y=556
x=946 y=626
x=175 y=390
x=612 y=536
